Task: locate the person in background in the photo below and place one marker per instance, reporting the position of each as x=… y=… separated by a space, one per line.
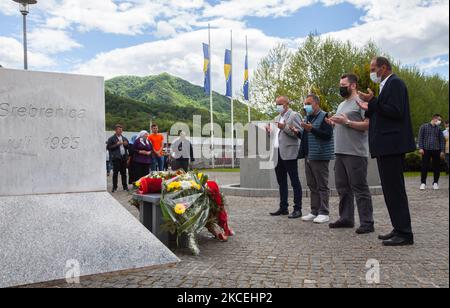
x=157 y=141
x=317 y=148
x=431 y=147
x=286 y=146
x=167 y=160
x=182 y=152
x=131 y=165
x=446 y=136
x=108 y=161
x=390 y=138
x=118 y=146
x=352 y=159
x=142 y=158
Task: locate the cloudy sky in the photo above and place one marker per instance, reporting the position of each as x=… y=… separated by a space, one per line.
x=147 y=37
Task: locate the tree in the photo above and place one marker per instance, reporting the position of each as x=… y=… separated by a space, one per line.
x=268 y=79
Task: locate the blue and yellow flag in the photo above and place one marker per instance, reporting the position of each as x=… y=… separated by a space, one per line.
x=228 y=73
x=246 y=81
x=207 y=69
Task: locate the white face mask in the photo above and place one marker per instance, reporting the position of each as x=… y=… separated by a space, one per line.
x=374 y=77
x=280 y=108
x=438 y=123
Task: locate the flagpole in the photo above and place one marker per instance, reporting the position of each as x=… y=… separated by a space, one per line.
x=232 y=105
x=248 y=69
x=211 y=99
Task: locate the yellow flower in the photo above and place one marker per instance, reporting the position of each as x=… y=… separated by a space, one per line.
x=180 y=209
x=194 y=185
x=138 y=184
x=200 y=175
x=174 y=186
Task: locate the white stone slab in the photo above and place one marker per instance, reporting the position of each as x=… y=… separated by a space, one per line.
x=51 y=133
x=40 y=234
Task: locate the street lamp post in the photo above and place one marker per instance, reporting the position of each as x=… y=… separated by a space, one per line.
x=24 y=9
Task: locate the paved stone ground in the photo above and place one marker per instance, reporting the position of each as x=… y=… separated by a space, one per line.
x=277 y=252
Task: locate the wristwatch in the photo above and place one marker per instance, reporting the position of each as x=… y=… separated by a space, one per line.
x=348 y=123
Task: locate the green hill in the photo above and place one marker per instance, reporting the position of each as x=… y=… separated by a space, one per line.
x=131 y=100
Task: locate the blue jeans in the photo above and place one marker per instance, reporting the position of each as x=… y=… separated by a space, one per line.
x=158 y=163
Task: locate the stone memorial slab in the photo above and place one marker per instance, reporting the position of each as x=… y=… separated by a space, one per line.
x=48 y=237
x=52 y=136
x=56 y=219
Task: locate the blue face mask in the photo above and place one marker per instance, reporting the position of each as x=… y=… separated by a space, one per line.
x=309 y=110
x=280 y=109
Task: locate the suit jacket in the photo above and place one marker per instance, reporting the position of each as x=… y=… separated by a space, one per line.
x=115 y=149
x=289 y=144
x=390 y=131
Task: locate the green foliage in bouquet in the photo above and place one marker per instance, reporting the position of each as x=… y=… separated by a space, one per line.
x=185 y=206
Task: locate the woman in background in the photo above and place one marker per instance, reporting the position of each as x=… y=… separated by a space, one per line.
x=142 y=156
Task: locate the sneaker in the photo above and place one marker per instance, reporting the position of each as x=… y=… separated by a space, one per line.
x=321 y=219
x=309 y=217
x=435 y=186
x=423 y=187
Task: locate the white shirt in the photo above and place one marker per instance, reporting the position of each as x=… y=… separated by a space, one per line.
x=383 y=83
x=122 y=148
x=276 y=142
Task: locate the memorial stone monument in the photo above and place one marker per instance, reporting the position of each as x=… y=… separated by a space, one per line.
x=258 y=178
x=56 y=219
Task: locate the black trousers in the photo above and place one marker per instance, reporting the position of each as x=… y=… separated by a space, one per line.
x=391 y=170
x=120 y=166
x=141 y=170
x=181 y=164
x=283 y=169
x=436 y=157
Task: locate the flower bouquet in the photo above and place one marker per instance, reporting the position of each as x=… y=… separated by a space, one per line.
x=152 y=183
x=189 y=203
x=185 y=207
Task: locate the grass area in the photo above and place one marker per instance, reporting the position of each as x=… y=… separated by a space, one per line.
x=417 y=174
x=221 y=170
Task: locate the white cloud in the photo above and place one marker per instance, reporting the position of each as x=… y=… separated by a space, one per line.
x=50 y=41
x=182 y=56
x=432 y=64
x=409 y=30
x=11 y=55
x=164 y=29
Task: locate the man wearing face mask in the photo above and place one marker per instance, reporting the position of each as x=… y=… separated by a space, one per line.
x=352 y=158
x=431 y=147
x=390 y=138
x=286 y=147
x=317 y=148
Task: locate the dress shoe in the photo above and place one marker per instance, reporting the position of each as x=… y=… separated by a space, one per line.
x=398 y=241
x=340 y=224
x=387 y=236
x=365 y=230
x=296 y=214
x=280 y=212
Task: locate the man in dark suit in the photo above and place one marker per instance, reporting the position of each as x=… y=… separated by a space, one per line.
x=390 y=138
x=118 y=146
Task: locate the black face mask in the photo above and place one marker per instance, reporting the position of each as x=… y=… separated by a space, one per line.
x=345 y=92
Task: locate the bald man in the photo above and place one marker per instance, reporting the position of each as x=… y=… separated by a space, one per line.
x=286 y=148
